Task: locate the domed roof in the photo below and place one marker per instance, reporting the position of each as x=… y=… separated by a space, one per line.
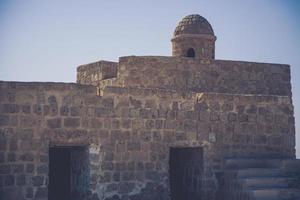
x=193 y=24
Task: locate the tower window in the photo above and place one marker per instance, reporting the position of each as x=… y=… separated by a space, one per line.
x=190 y=53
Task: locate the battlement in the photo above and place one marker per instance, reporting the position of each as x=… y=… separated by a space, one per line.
x=194 y=75
x=93 y=73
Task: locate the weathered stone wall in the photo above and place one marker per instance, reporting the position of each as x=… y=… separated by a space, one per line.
x=93 y=73
x=219 y=76
x=128 y=133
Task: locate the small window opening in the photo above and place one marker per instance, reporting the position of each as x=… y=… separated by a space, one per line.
x=190 y=53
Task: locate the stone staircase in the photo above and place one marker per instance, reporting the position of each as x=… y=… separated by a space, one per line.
x=261 y=179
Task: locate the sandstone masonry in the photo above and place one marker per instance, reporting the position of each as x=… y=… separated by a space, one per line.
x=121 y=120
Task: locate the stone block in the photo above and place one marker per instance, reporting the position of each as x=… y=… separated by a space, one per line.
x=149 y=166
x=41 y=193
x=131 y=166
x=2 y=158
x=133 y=146
x=13 y=120
x=180 y=135
x=8 y=180
x=54 y=123
x=5 y=169
x=116 y=124
x=190 y=125
x=126 y=123
x=64 y=110
x=126 y=187
x=151 y=103
x=29 y=192
x=120 y=166
x=44 y=158
x=11 y=193
x=42 y=169
x=139 y=166
x=72 y=122
x=260 y=139
x=37 y=180
x=159 y=124
x=26 y=109
x=153 y=176
x=3 y=145
x=17 y=168
x=96 y=123
x=232 y=117
x=214 y=116
x=10 y=108
x=21 y=180
x=128 y=176
x=145 y=114
x=38 y=109
x=145 y=136
x=108 y=156
x=133 y=113
x=4 y=120
x=30 y=168
x=108 y=102
x=105 y=178
x=107 y=166
x=201 y=106
x=116 y=176
x=226 y=107
x=150 y=124
x=113 y=187
x=135 y=103
x=24 y=133
x=26 y=157
x=243 y=117
x=103 y=134
x=75 y=111
x=102 y=112
x=156 y=135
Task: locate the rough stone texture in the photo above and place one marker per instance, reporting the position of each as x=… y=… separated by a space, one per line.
x=193 y=24
x=129 y=114
x=94 y=72
x=219 y=76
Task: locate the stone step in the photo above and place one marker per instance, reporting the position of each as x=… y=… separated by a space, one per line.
x=267 y=182
x=276 y=194
x=243 y=163
x=292 y=165
x=260 y=172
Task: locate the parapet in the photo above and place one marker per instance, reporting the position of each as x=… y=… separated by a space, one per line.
x=196 y=75
x=93 y=73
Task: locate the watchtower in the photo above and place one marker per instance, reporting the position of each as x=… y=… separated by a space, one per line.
x=194 y=38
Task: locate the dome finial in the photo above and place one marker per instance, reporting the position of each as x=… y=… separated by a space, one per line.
x=194 y=38
x=193 y=24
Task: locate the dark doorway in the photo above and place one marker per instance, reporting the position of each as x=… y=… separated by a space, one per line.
x=68 y=173
x=186 y=167
x=190 y=53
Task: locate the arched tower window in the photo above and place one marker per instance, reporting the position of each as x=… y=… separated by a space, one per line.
x=190 y=53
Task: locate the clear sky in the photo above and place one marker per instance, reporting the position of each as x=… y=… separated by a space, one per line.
x=42 y=40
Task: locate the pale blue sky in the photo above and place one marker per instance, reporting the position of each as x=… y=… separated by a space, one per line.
x=42 y=40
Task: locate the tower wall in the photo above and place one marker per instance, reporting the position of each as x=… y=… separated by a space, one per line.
x=203 y=46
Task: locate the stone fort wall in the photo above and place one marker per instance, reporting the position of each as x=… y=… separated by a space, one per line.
x=196 y=75
x=128 y=133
